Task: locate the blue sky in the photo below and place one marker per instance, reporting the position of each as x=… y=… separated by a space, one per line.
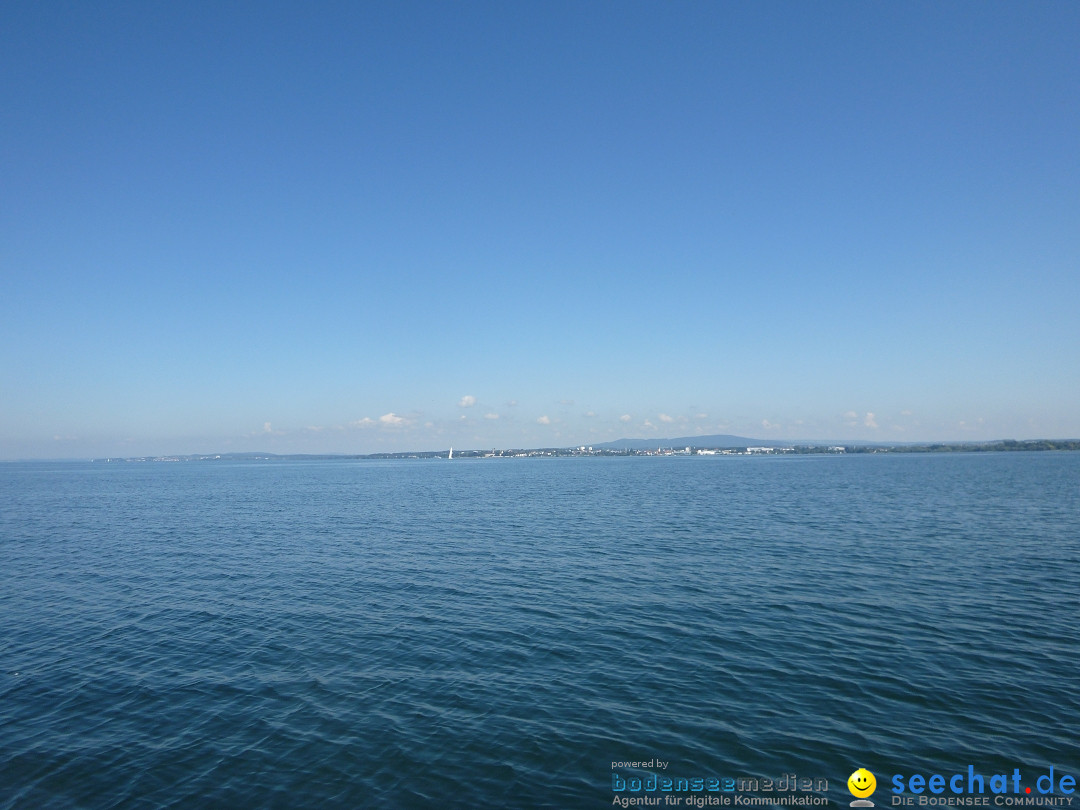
x=350 y=227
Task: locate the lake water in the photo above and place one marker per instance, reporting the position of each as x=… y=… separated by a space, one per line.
x=498 y=633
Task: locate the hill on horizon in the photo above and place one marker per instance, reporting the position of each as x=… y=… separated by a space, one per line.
x=720 y=441
x=726 y=441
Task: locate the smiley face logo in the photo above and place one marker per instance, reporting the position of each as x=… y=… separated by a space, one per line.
x=861 y=783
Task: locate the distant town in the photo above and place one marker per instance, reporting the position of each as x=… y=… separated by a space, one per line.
x=1007 y=445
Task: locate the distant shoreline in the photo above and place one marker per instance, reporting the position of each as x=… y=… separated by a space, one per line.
x=1002 y=446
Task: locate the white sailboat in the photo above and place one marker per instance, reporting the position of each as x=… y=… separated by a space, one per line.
x=451 y=454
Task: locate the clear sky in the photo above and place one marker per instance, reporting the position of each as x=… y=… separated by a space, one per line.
x=355 y=227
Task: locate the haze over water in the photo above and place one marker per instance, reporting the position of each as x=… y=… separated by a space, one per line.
x=495 y=633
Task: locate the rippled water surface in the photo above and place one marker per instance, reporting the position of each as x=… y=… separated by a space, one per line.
x=495 y=633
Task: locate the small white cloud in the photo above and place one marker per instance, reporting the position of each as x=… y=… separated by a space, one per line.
x=701 y=416
x=543 y=420
x=648 y=424
x=870 y=421
x=367 y=421
x=512 y=403
x=590 y=414
x=267 y=428
x=625 y=417
x=767 y=425
x=665 y=418
x=491 y=416
x=907 y=413
x=467 y=401
x=566 y=402
x=316 y=428
x=393 y=420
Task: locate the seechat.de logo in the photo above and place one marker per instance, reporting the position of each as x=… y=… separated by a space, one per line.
x=861 y=784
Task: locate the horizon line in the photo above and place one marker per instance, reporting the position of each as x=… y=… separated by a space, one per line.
x=801 y=443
